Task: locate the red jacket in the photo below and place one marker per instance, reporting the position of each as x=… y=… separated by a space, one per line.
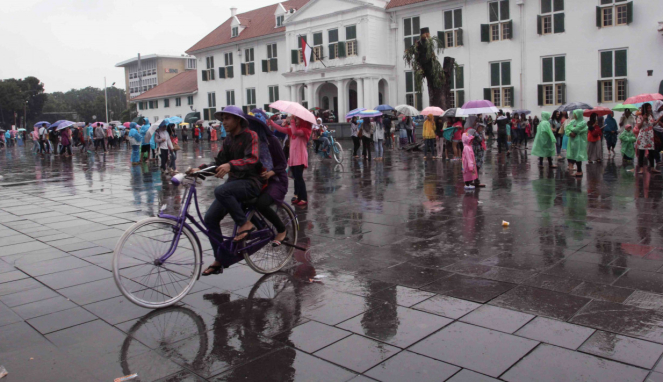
x=595 y=135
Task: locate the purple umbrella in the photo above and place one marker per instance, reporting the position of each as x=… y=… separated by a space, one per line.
x=477 y=107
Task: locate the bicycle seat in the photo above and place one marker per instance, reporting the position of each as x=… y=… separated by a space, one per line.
x=250 y=202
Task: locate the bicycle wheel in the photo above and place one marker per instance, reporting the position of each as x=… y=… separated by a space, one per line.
x=137 y=274
x=271 y=259
x=337 y=150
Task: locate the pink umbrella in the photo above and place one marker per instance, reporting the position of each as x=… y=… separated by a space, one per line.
x=436 y=111
x=643 y=98
x=477 y=107
x=295 y=109
x=127 y=124
x=599 y=110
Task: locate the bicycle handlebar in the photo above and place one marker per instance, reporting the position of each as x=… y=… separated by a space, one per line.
x=202 y=174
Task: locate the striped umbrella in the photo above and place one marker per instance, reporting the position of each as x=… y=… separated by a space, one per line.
x=354 y=113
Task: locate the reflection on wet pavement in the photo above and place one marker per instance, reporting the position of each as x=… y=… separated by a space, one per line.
x=407 y=277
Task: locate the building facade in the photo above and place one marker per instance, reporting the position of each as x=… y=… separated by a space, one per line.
x=152 y=70
x=174 y=97
x=520 y=54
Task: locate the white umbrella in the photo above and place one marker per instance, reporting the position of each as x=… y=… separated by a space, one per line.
x=476 y=107
x=150 y=131
x=64 y=125
x=407 y=110
x=115 y=123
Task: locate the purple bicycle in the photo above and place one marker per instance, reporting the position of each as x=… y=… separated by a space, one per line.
x=158 y=260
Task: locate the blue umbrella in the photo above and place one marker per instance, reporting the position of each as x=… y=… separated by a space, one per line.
x=56 y=124
x=174 y=120
x=38 y=124
x=354 y=112
x=369 y=113
x=384 y=108
x=64 y=124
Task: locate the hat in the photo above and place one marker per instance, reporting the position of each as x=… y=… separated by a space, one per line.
x=424 y=30
x=232 y=110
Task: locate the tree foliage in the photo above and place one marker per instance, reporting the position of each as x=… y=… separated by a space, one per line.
x=431 y=47
x=87 y=103
x=19 y=96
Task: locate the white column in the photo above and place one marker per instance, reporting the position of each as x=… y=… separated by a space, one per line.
x=369 y=93
x=289 y=92
x=360 y=93
x=342 y=107
x=309 y=95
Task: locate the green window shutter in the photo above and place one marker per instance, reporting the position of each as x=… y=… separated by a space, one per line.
x=558 y=5
x=493 y=11
x=558 y=21
x=222 y=72
x=460 y=98
x=495 y=74
x=504 y=10
x=409 y=82
x=506 y=73
x=459 y=37
x=407 y=44
x=448 y=20
x=563 y=93
x=317 y=39
x=458 y=18
x=539 y=24
x=598 y=17
x=274 y=65
x=211 y=74
x=629 y=12
x=333 y=36
x=606 y=64
x=407 y=27
x=460 y=77
x=205 y=114
x=485 y=33
x=265 y=66
x=560 y=69
x=230 y=72
x=341 y=49
x=547 y=66
x=486 y=94
x=276 y=93
x=204 y=75
x=546 y=6
x=415 y=25
x=243 y=69
x=420 y=101
x=294 y=55
x=598 y=91
x=356 y=48
x=539 y=92
x=245 y=109
x=620 y=63
x=513 y=97
x=452 y=81
x=332 y=52
x=440 y=35
x=510 y=34
x=252 y=68
x=350 y=33
x=626 y=87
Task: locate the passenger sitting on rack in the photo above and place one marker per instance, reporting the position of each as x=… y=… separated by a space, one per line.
x=240 y=159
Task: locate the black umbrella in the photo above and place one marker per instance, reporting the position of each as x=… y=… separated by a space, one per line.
x=574 y=106
x=450 y=112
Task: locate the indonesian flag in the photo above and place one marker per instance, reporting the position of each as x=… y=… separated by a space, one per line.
x=306 y=49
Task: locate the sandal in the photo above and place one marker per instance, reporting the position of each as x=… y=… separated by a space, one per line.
x=245 y=233
x=215 y=270
x=276 y=243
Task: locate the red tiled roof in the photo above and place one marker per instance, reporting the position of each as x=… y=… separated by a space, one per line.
x=258 y=22
x=400 y=3
x=183 y=83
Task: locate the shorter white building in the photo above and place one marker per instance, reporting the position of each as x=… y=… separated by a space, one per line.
x=175 y=97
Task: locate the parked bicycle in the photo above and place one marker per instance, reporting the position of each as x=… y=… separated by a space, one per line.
x=158 y=260
x=333 y=150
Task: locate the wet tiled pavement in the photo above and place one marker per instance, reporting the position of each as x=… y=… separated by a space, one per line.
x=407 y=277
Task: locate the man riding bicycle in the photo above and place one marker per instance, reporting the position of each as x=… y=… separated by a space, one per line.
x=239 y=158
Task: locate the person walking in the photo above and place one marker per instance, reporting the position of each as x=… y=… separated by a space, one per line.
x=367 y=129
x=479 y=149
x=99 y=135
x=457 y=138
x=545 y=142
x=354 y=132
x=43 y=139
x=409 y=128
x=555 y=127
x=164 y=144
x=176 y=147
x=595 y=146
x=388 y=139
x=65 y=140
x=429 y=136
x=576 y=152
x=298 y=133
x=501 y=122
x=644 y=129
x=135 y=140
x=378 y=139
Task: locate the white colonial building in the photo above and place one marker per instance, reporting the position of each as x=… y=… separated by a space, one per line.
x=524 y=54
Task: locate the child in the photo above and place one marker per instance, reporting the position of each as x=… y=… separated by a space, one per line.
x=628 y=143
x=469 y=163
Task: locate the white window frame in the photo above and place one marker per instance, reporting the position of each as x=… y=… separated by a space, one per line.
x=234 y=32
x=613 y=10
x=272 y=93
x=350 y=44
x=414 y=36
x=554 y=87
x=614 y=82
x=251 y=96
x=280 y=19
x=189 y=100
x=501 y=92
x=316 y=52
x=500 y=26
x=549 y=17
x=455 y=90
x=333 y=44
x=411 y=97
x=453 y=32
x=211 y=99
x=230 y=97
x=272 y=51
x=178 y=101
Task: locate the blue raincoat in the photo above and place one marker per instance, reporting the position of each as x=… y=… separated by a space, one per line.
x=135 y=139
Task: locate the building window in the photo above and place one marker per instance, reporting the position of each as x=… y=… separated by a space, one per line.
x=351 y=40
x=301 y=49
x=614 y=12
x=410 y=31
x=250 y=99
x=140 y=106
x=453 y=34
x=280 y=20
x=302 y=94
x=156 y=118
x=189 y=100
x=271 y=51
x=413 y=96
x=178 y=101
x=552 y=90
x=166 y=103
x=500 y=91
x=317 y=53
x=500 y=25
x=613 y=85
x=230 y=97
x=227 y=70
x=458 y=87
x=551 y=19
x=248 y=68
x=211 y=99
x=191 y=63
x=332 y=34
x=208 y=114
x=271 y=64
x=208 y=74
x=234 y=32
x=273 y=96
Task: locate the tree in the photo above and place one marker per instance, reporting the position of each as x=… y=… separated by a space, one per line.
x=422 y=58
x=19 y=96
x=87 y=103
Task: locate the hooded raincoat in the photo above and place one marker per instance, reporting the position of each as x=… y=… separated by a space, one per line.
x=628 y=143
x=469 y=164
x=577 y=146
x=429 y=127
x=135 y=139
x=610 y=131
x=544 y=141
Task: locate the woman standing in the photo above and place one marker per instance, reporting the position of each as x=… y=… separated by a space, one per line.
x=469 y=164
x=378 y=139
x=65 y=140
x=164 y=144
x=644 y=129
x=545 y=142
x=299 y=133
x=213 y=133
x=457 y=138
x=429 y=136
x=367 y=129
x=354 y=130
x=440 y=125
x=577 y=146
x=176 y=147
x=135 y=140
x=555 y=127
x=409 y=129
x=595 y=147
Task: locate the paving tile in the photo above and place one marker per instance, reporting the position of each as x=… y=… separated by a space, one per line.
x=43 y=307
x=407 y=366
x=43 y=363
x=312 y=336
x=470 y=376
x=654 y=377
x=492 y=317
x=7 y=316
x=642 y=280
x=541 y=302
x=26 y=297
x=74 y=277
x=12 y=276
x=555 y=332
x=19 y=286
x=23 y=248
x=602 y=292
x=90 y=292
x=116 y=310
x=623 y=319
x=403 y=296
x=409 y=275
x=554 y=283
x=645 y=300
x=61 y=320
x=395 y=325
x=357 y=353
x=469 y=288
x=595 y=273
x=331 y=307
x=53 y=266
x=447 y=306
x=483 y=350
x=82 y=253
x=550 y=363
x=624 y=349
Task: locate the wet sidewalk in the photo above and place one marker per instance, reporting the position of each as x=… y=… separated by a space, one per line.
x=407 y=277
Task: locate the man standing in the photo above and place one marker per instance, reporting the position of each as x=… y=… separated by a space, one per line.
x=43 y=137
x=501 y=123
x=627 y=119
x=99 y=135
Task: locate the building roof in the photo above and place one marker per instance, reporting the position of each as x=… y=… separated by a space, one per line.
x=147 y=57
x=183 y=83
x=401 y=3
x=258 y=22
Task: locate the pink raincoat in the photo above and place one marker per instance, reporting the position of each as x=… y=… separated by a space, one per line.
x=469 y=164
x=299 y=135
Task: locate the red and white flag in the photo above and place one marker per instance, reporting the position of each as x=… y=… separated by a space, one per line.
x=306 y=49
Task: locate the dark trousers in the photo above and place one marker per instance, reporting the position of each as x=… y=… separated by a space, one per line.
x=264 y=206
x=99 y=142
x=300 y=186
x=651 y=157
x=366 y=146
x=578 y=164
x=549 y=161
x=501 y=142
x=355 y=143
x=164 y=158
x=317 y=145
x=227 y=200
x=43 y=146
x=410 y=139
x=65 y=148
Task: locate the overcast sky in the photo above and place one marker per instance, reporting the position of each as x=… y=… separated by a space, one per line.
x=75 y=43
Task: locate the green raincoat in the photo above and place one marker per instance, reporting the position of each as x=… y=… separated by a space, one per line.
x=627 y=138
x=576 y=149
x=544 y=141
